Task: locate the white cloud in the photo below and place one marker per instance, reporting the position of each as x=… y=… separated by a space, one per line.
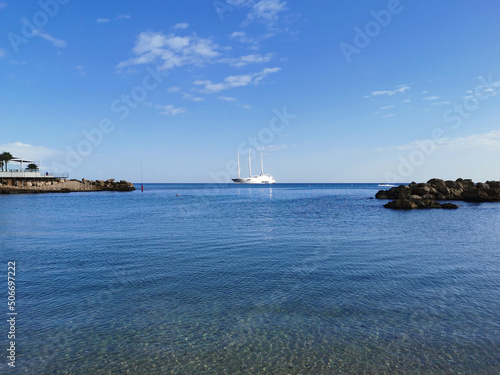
x=56 y=42
x=121 y=16
x=254 y=41
x=227 y=98
x=80 y=70
x=398 y=90
x=406 y=101
x=389 y=115
x=181 y=26
x=102 y=20
x=170 y=110
x=387 y=107
x=186 y=95
x=266 y=10
x=29 y=152
x=248 y=59
x=242 y=37
x=237 y=3
x=171 y=51
x=441 y=103
x=431 y=98
x=235 y=81
x=3 y=6
x=173 y=89
x=2 y=52
x=486 y=141
x=272 y=148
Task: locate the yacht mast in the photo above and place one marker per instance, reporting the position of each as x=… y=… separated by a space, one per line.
x=239 y=164
x=249 y=163
x=261 y=165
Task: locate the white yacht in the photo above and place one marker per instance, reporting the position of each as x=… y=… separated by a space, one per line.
x=260 y=179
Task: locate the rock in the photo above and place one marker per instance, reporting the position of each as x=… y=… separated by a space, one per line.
x=381 y=194
x=436 y=189
x=428 y=196
x=111 y=180
x=449 y=206
x=401 y=204
x=421 y=190
x=455 y=193
x=494 y=184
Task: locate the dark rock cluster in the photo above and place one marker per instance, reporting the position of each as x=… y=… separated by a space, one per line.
x=427 y=195
x=111 y=185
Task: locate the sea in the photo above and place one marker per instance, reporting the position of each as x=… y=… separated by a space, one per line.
x=235 y=279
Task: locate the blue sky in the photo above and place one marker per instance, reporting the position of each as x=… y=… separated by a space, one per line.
x=330 y=91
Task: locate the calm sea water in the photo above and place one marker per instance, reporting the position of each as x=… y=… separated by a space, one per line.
x=288 y=279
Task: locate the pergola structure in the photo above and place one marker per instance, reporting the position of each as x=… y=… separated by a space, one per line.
x=21 y=172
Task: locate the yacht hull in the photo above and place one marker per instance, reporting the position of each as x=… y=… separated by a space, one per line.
x=254 y=180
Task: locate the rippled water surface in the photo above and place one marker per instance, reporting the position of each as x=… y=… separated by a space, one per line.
x=289 y=279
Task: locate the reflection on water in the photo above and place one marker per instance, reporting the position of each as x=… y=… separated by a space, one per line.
x=285 y=280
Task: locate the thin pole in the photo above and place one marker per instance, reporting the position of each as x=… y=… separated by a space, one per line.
x=261 y=165
x=238 y=164
x=249 y=163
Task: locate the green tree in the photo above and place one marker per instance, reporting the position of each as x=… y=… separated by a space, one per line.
x=32 y=167
x=5 y=157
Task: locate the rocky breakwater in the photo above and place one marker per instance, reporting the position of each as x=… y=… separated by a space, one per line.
x=428 y=194
x=111 y=185
x=44 y=185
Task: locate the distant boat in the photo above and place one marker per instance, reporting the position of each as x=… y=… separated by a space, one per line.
x=260 y=179
x=386 y=185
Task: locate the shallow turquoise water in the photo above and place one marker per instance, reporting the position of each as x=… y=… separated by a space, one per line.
x=289 y=279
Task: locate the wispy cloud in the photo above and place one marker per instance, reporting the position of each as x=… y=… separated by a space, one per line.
x=3 y=6
x=171 y=50
x=170 y=110
x=431 y=98
x=2 y=53
x=398 y=90
x=235 y=81
x=80 y=70
x=102 y=20
x=188 y=96
x=389 y=115
x=180 y=26
x=56 y=42
x=121 y=16
x=387 y=107
x=441 y=103
x=266 y=11
x=485 y=141
x=272 y=148
x=405 y=101
x=173 y=89
x=227 y=98
x=248 y=59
